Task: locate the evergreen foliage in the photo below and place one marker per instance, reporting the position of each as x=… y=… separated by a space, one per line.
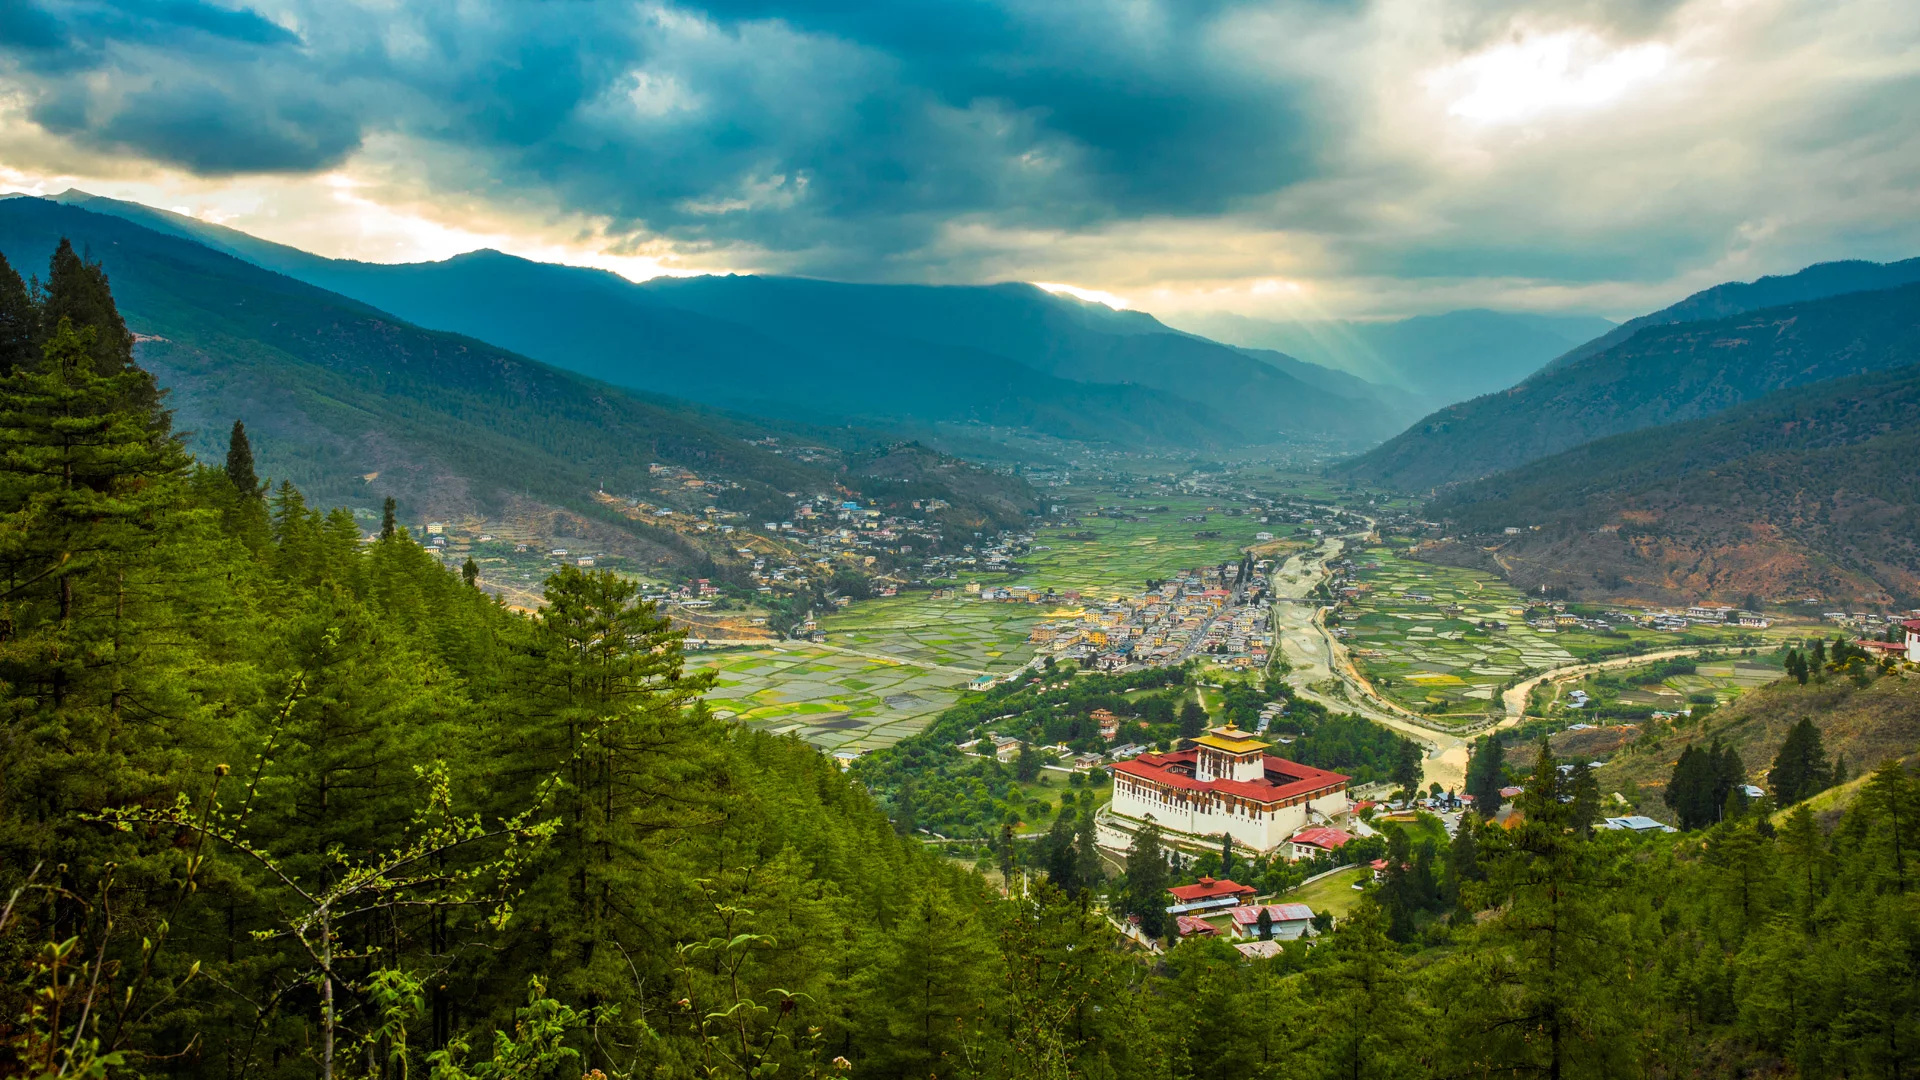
x=293 y=805
x=1800 y=769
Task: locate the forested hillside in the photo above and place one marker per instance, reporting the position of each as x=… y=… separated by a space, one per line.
x=1808 y=491
x=354 y=405
x=1736 y=297
x=1008 y=355
x=1661 y=375
x=276 y=802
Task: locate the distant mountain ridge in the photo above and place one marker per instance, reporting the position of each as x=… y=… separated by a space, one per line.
x=1660 y=375
x=1815 y=282
x=1011 y=355
x=1435 y=359
x=1812 y=490
x=352 y=404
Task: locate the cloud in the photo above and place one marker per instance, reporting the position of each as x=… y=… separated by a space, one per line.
x=1380 y=155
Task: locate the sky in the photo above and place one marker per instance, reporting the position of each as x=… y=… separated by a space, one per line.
x=1282 y=159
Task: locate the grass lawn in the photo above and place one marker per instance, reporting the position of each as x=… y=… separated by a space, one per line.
x=1334 y=893
x=1418 y=826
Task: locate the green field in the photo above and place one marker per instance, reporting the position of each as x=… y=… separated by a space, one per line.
x=1415 y=635
x=861 y=698
x=1124 y=554
x=1334 y=893
x=1724 y=679
x=831 y=699
x=964 y=633
x=1429 y=661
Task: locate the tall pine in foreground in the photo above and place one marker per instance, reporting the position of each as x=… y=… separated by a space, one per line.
x=91 y=496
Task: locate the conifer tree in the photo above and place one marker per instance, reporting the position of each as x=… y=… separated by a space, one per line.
x=470 y=573
x=1086 y=866
x=1147 y=880
x=930 y=993
x=19 y=322
x=1800 y=768
x=87 y=495
x=1486 y=775
x=240 y=463
x=606 y=707
x=1537 y=980
x=1361 y=974
x=76 y=291
x=1058 y=856
x=387 y=526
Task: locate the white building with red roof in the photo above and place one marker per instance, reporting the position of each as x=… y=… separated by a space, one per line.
x=1226 y=783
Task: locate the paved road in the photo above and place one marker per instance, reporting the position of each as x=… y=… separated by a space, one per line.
x=1515 y=699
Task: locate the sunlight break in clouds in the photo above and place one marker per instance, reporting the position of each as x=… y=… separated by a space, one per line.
x=1091 y=295
x=1569 y=70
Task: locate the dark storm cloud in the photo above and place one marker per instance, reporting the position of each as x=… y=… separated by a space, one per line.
x=848 y=131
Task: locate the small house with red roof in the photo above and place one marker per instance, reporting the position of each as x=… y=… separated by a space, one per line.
x=1194 y=926
x=1225 y=782
x=1289 y=921
x=1209 y=893
x=1319 y=840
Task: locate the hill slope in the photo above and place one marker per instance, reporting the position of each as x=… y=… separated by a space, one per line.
x=1809 y=491
x=1816 y=282
x=353 y=404
x=1009 y=355
x=1862 y=725
x=1661 y=375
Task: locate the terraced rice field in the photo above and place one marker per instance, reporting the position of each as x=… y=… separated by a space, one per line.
x=1124 y=554
x=896 y=662
x=1415 y=635
x=833 y=700
x=964 y=633
x=1725 y=680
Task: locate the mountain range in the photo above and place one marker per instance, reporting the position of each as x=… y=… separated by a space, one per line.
x=1009 y=355
x=1813 y=490
x=1663 y=373
x=352 y=404
x=1433 y=360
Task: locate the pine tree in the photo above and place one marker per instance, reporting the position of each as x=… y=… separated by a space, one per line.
x=240 y=464
x=1486 y=775
x=1193 y=720
x=470 y=573
x=19 y=322
x=1059 y=858
x=1800 y=768
x=1087 y=868
x=929 y=991
x=1026 y=763
x=92 y=545
x=76 y=291
x=1537 y=981
x=1366 y=1022
x=387 y=526
x=1147 y=881
x=606 y=709
x=1226 y=854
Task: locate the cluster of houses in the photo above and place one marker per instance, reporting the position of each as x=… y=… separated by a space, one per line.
x=1198 y=612
x=1226 y=909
